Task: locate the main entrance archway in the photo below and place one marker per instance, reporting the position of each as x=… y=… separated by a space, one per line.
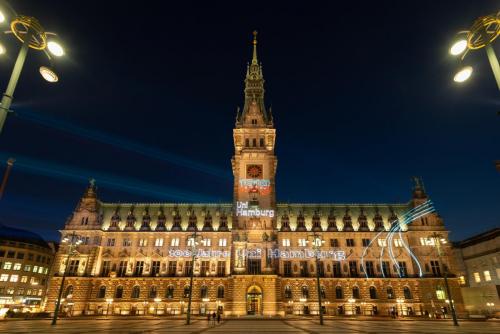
x=254 y=300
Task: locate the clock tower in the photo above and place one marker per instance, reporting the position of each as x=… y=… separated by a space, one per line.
x=254 y=170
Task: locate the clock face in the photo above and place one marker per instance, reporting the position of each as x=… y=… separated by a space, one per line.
x=254 y=171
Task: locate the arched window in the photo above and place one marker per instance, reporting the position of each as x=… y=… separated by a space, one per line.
x=323 y=292
x=136 y=291
x=102 y=292
x=390 y=293
x=169 y=293
x=339 y=294
x=288 y=292
x=407 y=292
x=187 y=291
x=119 y=292
x=373 y=292
x=69 y=291
x=440 y=293
x=204 y=292
x=153 y=292
x=305 y=292
x=355 y=292
x=220 y=292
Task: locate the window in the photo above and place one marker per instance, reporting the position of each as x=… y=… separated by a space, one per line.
x=40 y=270
x=222 y=242
x=155 y=268
x=2 y=253
x=20 y=255
x=221 y=268
x=190 y=242
x=436 y=270
x=427 y=241
x=10 y=291
x=172 y=268
x=390 y=293
x=127 y=242
x=220 y=292
x=461 y=280
x=254 y=142
x=119 y=292
x=24 y=279
x=398 y=243
x=370 y=272
x=305 y=292
x=304 y=272
x=35 y=269
x=136 y=291
x=366 y=242
x=487 y=276
x=174 y=242
x=322 y=291
x=477 y=278
x=247 y=142
x=349 y=242
x=382 y=242
x=288 y=292
x=73 y=267
x=7 y=265
x=111 y=242
x=353 y=268
x=386 y=269
x=153 y=292
x=403 y=271
x=106 y=268
x=11 y=254
x=355 y=292
x=17 y=266
x=102 y=292
x=286 y=242
x=261 y=140
x=158 y=242
x=334 y=242
x=339 y=294
x=440 y=293
x=287 y=268
x=122 y=268
x=204 y=292
x=33 y=281
x=20 y=291
x=30 y=256
x=143 y=242
x=188 y=268
x=187 y=291
x=373 y=292
x=14 y=278
x=337 y=269
x=139 y=268
x=407 y=292
x=302 y=242
x=27 y=267
x=205 y=268
x=206 y=242
x=169 y=293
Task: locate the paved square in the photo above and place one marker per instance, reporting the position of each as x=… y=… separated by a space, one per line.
x=237 y=326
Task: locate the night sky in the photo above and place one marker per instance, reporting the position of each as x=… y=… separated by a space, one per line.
x=362 y=97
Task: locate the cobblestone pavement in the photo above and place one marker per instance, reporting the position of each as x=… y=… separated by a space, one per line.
x=134 y=326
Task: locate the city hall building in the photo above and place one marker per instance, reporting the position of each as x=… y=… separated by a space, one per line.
x=255 y=255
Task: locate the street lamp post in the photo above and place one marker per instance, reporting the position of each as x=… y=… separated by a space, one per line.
x=482 y=34
x=73 y=241
x=193 y=239
x=437 y=241
x=31 y=34
x=317 y=243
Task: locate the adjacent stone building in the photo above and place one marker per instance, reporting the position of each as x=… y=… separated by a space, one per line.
x=255 y=255
x=25 y=262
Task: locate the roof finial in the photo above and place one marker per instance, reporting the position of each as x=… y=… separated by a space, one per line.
x=254 y=58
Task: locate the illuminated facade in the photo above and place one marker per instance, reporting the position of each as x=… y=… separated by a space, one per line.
x=254 y=255
x=25 y=262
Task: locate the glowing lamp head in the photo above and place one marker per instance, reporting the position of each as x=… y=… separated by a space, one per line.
x=55 y=48
x=458 y=47
x=463 y=74
x=49 y=74
x=3 y=50
x=2 y=17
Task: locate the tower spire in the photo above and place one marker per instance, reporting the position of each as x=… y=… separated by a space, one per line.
x=254 y=57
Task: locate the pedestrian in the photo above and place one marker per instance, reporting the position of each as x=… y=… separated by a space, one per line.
x=218 y=317
x=208 y=317
x=213 y=318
